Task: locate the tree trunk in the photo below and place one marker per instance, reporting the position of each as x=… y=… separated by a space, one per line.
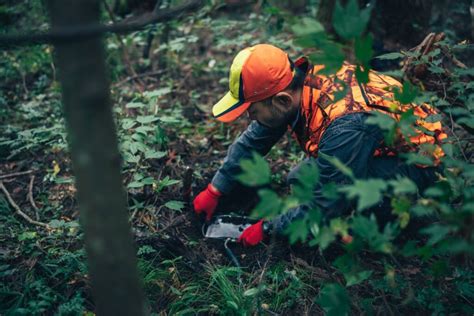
x=93 y=144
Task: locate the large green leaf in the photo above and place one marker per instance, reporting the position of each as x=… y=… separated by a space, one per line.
x=334 y=300
x=255 y=171
x=350 y=267
x=368 y=192
x=350 y=21
x=308 y=176
x=385 y=123
x=406 y=94
x=436 y=232
x=390 y=56
x=270 y=204
x=403 y=185
x=363 y=49
x=298 y=230
x=367 y=229
x=324 y=237
x=174 y=205
x=338 y=164
x=306 y=26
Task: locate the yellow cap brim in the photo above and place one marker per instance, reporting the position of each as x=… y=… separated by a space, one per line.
x=229 y=108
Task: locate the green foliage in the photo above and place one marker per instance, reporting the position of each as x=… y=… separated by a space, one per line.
x=269 y=205
x=349 y=21
x=406 y=94
x=310 y=33
x=255 y=171
x=368 y=192
x=334 y=300
x=308 y=176
x=367 y=229
x=45 y=272
x=349 y=265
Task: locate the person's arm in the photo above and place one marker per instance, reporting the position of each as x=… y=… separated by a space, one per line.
x=255 y=138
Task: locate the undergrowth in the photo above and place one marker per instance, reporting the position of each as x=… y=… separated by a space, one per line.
x=164 y=128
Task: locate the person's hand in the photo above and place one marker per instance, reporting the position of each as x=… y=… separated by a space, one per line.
x=252 y=235
x=206 y=201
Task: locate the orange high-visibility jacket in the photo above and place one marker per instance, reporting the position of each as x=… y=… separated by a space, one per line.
x=318 y=109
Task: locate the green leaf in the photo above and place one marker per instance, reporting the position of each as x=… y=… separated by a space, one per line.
x=297 y=230
x=27 y=235
x=334 y=300
x=151 y=154
x=306 y=26
x=339 y=226
x=332 y=59
x=407 y=94
x=144 y=250
x=367 y=229
x=324 y=238
x=56 y=223
x=144 y=129
x=233 y=305
x=353 y=278
x=338 y=164
x=165 y=182
x=414 y=158
x=403 y=185
x=390 y=56
x=157 y=93
x=135 y=105
x=148 y=181
x=270 y=204
x=368 y=192
x=468 y=121
x=363 y=50
x=255 y=171
x=437 y=233
x=362 y=75
x=307 y=176
x=349 y=21
x=175 y=205
x=128 y=123
x=252 y=291
x=147 y=119
x=135 y=184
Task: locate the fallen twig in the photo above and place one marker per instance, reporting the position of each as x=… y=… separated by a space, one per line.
x=30 y=197
x=15 y=174
x=18 y=210
x=145 y=74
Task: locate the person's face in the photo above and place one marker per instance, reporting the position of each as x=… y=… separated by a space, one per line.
x=261 y=111
x=272 y=112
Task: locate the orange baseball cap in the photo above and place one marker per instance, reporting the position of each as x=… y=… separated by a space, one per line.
x=256 y=73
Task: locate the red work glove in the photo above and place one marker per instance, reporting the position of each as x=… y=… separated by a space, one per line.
x=252 y=235
x=206 y=201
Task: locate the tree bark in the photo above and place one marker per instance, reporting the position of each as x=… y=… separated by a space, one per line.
x=96 y=161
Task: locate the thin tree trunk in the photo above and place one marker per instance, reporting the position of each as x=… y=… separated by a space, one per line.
x=93 y=144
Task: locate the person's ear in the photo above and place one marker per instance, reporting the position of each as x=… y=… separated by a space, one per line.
x=282 y=100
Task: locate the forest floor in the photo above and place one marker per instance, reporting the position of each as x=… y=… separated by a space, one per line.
x=43 y=271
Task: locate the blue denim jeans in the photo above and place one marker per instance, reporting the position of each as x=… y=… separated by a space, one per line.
x=353 y=142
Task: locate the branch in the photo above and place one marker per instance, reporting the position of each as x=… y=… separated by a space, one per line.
x=30 y=197
x=85 y=31
x=17 y=208
x=15 y=174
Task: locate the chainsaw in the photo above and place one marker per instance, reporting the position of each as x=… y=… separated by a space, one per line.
x=228 y=228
